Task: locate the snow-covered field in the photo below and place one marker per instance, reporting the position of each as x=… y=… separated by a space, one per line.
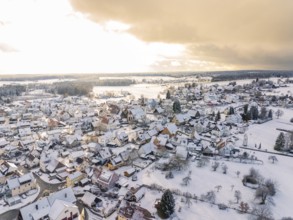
x=204 y=180
x=45 y=81
x=266 y=133
x=147 y=90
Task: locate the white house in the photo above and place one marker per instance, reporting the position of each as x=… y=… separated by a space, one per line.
x=20 y=185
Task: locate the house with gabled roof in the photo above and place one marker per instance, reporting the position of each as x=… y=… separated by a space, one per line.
x=74 y=178
x=170 y=129
x=135 y=194
x=121 y=138
x=146 y=149
x=6 y=169
x=104 y=154
x=135 y=113
x=105 y=179
x=61 y=210
x=91 y=200
x=115 y=162
x=57 y=206
x=130 y=211
x=180 y=119
x=161 y=140
x=22 y=184
x=129 y=154
x=108 y=123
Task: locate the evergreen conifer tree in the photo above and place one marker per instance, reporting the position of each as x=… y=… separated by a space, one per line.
x=254 y=112
x=280 y=142
x=231 y=111
x=197 y=114
x=270 y=115
x=218 y=116
x=177 y=106
x=168 y=95
x=167 y=204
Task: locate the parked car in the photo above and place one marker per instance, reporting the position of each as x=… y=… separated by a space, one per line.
x=134 y=177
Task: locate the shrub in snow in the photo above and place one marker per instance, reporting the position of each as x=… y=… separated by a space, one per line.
x=169 y=175
x=215 y=166
x=253 y=178
x=273 y=158
x=244 y=207
x=261 y=213
x=279 y=113
x=224 y=168
x=210 y=196
x=222 y=206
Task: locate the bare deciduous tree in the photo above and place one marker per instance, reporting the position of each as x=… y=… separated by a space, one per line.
x=237 y=195
x=224 y=168
x=279 y=113
x=215 y=166
x=273 y=158
x=188 y=200
x=265 y=191
x=238 y=173
x=186 y=180
x=218 y=187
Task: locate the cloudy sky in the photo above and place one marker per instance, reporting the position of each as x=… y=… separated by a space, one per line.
x=89 y=36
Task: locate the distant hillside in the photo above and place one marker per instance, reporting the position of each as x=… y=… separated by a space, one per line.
x=216 y=75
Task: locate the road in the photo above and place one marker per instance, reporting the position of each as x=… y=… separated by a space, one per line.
x=44 y=186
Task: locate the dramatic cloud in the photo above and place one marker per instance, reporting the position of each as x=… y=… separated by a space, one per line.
x=242 y=34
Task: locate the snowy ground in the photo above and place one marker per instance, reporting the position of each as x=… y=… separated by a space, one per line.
x=197 y=210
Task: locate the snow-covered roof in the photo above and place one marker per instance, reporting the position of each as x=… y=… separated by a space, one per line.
x=88 y=198
x=181 y=152
x=36 y=210
x=172 y=128
x=75 y=175
x=66 y=194
x=58 y=207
